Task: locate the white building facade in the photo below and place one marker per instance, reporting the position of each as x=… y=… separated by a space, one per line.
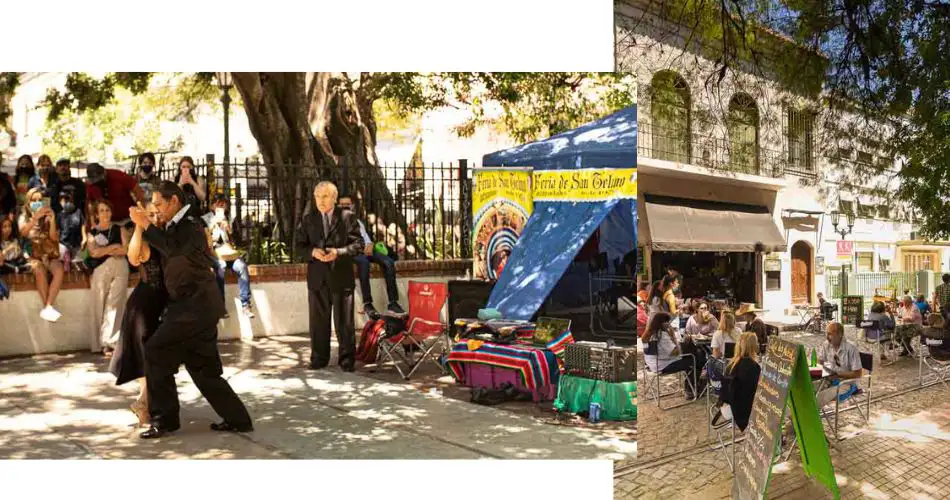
x=715 y=157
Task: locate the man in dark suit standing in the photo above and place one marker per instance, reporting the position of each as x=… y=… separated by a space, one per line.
x=188 y=332
x=330 y=238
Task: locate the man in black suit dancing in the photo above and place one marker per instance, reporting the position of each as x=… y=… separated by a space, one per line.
x=188 y=332
x=330 y=238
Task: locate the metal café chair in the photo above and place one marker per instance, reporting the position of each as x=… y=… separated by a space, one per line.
x=882 y=340
x=713 y=392
x=938 y=368
x=860 y=401
x=653 y=376
x=721 y=427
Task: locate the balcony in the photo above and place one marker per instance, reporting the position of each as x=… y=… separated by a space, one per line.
x=716 y=153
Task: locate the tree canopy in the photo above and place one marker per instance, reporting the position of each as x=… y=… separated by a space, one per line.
x=888 y=61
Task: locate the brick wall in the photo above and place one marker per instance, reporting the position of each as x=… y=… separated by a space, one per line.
x=271 y=273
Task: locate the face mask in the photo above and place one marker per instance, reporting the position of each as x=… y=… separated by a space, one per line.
x=69 y=207
x=147 y=168
x=35 y=206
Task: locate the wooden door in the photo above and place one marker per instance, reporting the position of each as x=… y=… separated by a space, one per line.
x=801 y=273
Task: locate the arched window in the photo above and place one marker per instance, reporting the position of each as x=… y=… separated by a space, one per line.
x=743 y=123
x=670 y=104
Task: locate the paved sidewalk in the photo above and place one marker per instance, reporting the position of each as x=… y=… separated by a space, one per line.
x=67 y=406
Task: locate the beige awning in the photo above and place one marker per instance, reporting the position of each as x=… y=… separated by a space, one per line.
x=690 y=225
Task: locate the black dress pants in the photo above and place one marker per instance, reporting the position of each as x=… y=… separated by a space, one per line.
x=195 y=344
x=322 y=303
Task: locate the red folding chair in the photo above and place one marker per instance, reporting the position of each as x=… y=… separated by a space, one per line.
x=427 y=336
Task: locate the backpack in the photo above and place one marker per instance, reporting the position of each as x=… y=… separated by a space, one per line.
x=368 y=347
x=374 y=330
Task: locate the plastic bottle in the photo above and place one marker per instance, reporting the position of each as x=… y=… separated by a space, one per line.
x=814 y=357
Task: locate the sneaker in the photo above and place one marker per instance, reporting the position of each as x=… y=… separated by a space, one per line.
x=247 y=311
x=395 y=308
x=370 y=311
x=50 y=314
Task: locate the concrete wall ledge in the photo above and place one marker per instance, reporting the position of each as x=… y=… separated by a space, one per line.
x=278 y=294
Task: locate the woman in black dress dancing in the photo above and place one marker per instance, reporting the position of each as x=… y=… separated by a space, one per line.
x=142 y=313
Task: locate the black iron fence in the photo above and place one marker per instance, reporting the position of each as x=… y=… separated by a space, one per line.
x=421 y=212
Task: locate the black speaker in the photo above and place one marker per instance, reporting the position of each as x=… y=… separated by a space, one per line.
x=466 y=298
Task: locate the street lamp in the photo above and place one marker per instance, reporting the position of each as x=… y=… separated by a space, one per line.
x=224 y=83
x=844 y=232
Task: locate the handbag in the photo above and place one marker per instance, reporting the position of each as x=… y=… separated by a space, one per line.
x=227 y=253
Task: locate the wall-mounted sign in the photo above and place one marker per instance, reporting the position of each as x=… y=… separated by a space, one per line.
x=773 y=264
x=845 y=249
x=819 y=265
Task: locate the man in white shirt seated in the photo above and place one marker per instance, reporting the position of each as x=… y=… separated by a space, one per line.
x=843 y=360
x=373 y=254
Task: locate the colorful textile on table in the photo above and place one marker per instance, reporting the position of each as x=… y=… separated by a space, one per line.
x=559 y=343
x=538 y=367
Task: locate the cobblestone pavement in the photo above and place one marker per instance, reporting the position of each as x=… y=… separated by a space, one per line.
x=67 y=406
x=903 y=453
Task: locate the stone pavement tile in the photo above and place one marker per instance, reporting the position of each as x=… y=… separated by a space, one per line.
x=491 y=431
x=69 y=406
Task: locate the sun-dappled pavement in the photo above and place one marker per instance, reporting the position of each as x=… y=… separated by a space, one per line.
x=67 y=406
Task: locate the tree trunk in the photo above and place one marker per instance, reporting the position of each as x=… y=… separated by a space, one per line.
x=307 y=126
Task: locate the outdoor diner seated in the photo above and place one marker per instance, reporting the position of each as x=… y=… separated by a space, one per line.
x=742 y=380
x=701 y=321
x=843 y=362
x=882 y=314
x=662 y=352
x=726 y=333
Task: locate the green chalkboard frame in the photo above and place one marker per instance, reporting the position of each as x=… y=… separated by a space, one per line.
x=806 y=420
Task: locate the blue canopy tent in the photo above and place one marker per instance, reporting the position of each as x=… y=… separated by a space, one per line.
x=557 y=230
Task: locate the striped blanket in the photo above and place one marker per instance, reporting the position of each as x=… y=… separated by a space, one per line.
x=537 y=366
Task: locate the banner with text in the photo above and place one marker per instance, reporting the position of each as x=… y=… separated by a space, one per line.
x=591 y=184
x=501 y=206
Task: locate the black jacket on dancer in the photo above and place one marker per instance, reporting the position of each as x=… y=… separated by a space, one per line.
x=188 y=331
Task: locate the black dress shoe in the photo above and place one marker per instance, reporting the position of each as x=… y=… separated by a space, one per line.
x=316 y=367
x=348 y=368
x=226 y=426
x=154 y=432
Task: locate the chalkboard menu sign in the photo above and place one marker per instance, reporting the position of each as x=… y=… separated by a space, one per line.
x=852 y=309
x=784 y=377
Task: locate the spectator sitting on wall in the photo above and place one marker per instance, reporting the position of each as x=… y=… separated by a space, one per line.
x=118 y=188
x=380 y=255
x=38 y=226
x=12 y=259
x=227 y=257
x=47 y=181
x=67 y=181
x=145 y=175
x=194 y=186
x=21 y=178
x=70 y=220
